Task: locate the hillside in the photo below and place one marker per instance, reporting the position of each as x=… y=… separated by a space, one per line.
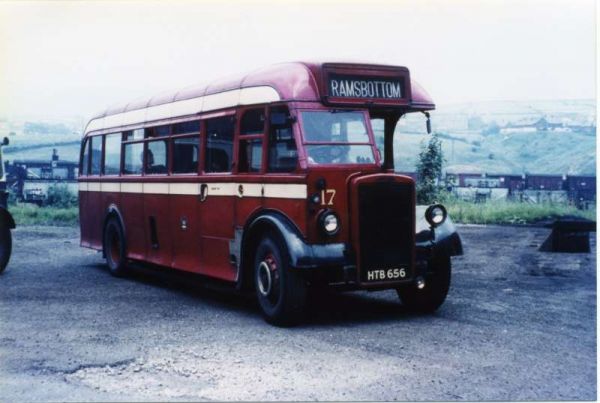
x=474 y=137
x=479 y=138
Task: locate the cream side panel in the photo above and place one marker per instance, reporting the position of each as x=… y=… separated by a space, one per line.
x=156 y=188
x=285 y=191
x=132 y=187
x=222 y=189
x=227 y=99
x=251 y=190
x=94 y=187
x=221 y=100
x=184 y=188
x=110 y=187
x=187 y=107
x=258 y=95
x=158 y=112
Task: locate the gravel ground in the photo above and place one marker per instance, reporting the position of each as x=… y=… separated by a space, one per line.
x=518 y=324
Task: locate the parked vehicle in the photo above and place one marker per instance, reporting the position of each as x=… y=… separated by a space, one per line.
x=270 y=181
x=6 y=220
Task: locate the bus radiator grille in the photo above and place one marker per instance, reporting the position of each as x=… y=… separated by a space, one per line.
x=386 y=226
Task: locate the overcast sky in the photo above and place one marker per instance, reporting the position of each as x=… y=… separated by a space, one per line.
x=75 y=58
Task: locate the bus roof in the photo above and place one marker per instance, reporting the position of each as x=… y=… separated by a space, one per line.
x=295 y=81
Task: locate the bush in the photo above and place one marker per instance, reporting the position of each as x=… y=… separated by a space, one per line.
x=60 y=196
x=429 y=170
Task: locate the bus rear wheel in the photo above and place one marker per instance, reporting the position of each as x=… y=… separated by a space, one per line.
x=433 y=295
x=114 y=247
x=5 y=245
x=281 y=292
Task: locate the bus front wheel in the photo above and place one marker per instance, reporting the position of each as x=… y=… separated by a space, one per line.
x=433 y=295
x=114 y=247
x=281 y=292
x=5 y=245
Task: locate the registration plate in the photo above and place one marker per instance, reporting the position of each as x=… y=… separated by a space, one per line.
x=396 y=273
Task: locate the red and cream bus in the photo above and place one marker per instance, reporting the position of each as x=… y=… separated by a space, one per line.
x=271 y=181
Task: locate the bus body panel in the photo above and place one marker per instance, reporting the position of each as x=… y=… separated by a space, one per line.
x=158 y=235
x=216 y=230
x=185 y=232
x=133 y=218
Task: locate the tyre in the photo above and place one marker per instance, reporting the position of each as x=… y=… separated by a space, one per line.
x=5 y=246
x=114 y=247
x=433 y=295
x=281 y=292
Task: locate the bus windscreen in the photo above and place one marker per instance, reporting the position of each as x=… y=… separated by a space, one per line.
x=334 y=137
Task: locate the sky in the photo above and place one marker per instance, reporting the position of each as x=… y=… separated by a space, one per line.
x=62 y=59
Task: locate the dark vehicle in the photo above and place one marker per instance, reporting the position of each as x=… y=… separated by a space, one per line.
x=6 y=220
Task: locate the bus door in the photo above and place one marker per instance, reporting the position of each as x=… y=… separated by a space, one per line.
x=156 y=197
x=132 y=197
x=250 y=151
x=216 y=206
x=184 y=191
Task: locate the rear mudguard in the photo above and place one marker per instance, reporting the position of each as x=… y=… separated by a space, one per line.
x=6 y=218
x=439 y=241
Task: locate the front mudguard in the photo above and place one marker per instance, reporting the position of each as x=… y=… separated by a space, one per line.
x=442 y=241
x=302 y=255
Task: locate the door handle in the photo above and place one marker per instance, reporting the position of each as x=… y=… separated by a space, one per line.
x=203 y=192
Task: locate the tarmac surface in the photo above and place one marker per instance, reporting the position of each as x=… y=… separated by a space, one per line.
x=518 y=324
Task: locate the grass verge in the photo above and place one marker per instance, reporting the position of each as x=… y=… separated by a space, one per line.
x=31 y=214
x=505 y=212
x=498 y=212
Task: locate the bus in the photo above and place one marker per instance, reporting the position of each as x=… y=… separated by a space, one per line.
x=271 y=181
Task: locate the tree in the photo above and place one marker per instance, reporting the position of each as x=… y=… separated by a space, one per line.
x=429 y=171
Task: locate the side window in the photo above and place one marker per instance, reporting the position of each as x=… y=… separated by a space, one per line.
x=219 y=144
x=157 y=131
x=250 y=155
x=156 y=157
x=283 y=154
x=252 y=127
x=186 y=127
x=185 y=155
x=134 y=158
x=253 y=122
x=96 y=154
x=136 y=134
x=85 y=157
x=112 y=154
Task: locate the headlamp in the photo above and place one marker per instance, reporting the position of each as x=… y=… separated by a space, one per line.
x=329 y=222
x=436 y=215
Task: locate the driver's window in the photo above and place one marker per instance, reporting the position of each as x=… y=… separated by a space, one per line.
x=283 y=154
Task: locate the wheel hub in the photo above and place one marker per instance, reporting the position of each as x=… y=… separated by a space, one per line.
x=265 y=281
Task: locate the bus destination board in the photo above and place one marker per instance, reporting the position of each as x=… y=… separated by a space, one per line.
x=346 y=86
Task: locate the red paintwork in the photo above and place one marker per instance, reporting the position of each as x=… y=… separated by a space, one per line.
x=204 y=245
